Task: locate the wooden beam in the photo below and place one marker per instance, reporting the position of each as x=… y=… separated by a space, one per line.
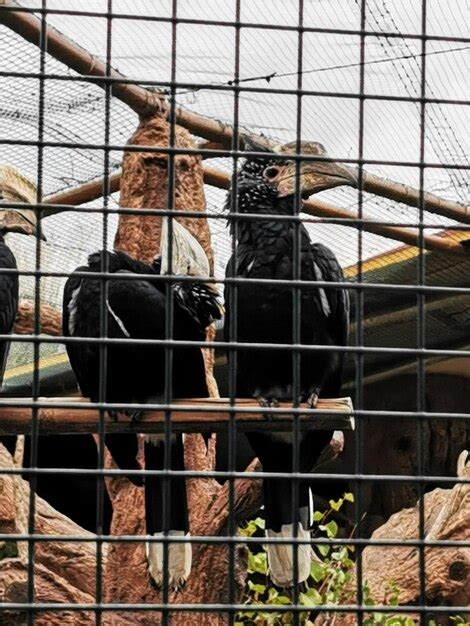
x=146 y=102
x=216 y=178
x=334 y=414
x=412 y=197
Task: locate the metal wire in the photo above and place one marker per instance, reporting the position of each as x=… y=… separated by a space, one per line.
x=362 y=287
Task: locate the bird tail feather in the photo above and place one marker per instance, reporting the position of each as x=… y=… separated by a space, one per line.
x=281 y=560
x=174 y=523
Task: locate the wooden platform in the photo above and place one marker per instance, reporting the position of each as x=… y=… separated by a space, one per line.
x=189 y=415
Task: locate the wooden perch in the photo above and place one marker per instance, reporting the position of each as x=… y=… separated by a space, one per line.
x=146 y=103
x=94 y=189
x=335 y=415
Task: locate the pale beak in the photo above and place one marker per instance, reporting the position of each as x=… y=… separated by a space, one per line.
x=187 y=255
x=314 y=176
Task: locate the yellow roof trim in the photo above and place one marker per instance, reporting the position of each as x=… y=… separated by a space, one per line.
x=55 y=359
x=397 y=255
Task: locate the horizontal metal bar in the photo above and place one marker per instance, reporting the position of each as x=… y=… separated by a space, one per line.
x=237 y=24
x=51 y=207
x=226 y=345
x=234 y=540
x=233 y=88
x=236 y=154
x=224 y=608
x=171 y=278
x=245 y=475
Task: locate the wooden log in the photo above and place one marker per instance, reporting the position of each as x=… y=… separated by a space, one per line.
x=63 y=571
x=447 y=569
x=198 y=416
x=50 y=319
x=318 y=208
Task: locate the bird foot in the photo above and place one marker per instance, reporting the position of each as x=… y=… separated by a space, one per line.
x=312 y=400
x=178 y=561
x=136 y=416
x=267 y=403
x=114 y=414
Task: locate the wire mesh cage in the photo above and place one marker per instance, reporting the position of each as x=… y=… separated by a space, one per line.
x=235 y=362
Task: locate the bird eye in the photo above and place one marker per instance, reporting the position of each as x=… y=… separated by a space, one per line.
x=271 y=172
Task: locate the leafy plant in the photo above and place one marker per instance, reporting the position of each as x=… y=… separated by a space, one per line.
x=330 y=581
x=329 y=575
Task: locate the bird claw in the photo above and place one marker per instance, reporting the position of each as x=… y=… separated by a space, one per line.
x=113 y=414
x=267 y=403
x=175 y=586
x=312 y=400
x=135 y=416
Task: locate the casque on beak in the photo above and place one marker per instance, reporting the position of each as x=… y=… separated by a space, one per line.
x=16 y=188
x=315 y=176
x=187 y=255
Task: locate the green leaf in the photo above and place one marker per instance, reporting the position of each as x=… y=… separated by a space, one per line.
x=311 y=597
x=260 y=523
x=283 y=600
x=336 y=505
x=257 y=563
x=317 y=571
x=323 y=549
x=256 y=588
x=331 y=529
x=349 y=497
x=318 y=516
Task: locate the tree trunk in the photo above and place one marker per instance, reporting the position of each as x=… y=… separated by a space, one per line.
x=144 y=185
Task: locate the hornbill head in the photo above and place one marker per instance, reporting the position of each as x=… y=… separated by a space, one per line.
x=16 y=188
x=314 y=175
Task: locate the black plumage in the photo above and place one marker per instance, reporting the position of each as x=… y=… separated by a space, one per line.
x=136 y=309
x=8 y=300
x=265 y=315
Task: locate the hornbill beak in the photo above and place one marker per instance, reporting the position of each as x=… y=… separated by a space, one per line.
x=187 y=255
x=315 y=176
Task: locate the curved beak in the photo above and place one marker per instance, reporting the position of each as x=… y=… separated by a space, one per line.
x=314 y=176
x=187 y=255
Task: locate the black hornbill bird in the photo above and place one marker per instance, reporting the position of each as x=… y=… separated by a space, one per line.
x=59 y=490
x=136 y=308
x=264 y=314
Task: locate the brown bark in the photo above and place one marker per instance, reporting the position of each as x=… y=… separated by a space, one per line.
x=447 y=569
x=63 y=571
x=144 y=185
x=50 y=319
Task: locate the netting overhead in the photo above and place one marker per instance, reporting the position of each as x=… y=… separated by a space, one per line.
x=141 y=48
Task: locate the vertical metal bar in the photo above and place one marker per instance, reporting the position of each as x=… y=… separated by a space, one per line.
x=33 y=461
x=169 y=321
x=103 y=351
x=297 y=311
x=233 y=299
x=421 y=321
x=359 y=392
